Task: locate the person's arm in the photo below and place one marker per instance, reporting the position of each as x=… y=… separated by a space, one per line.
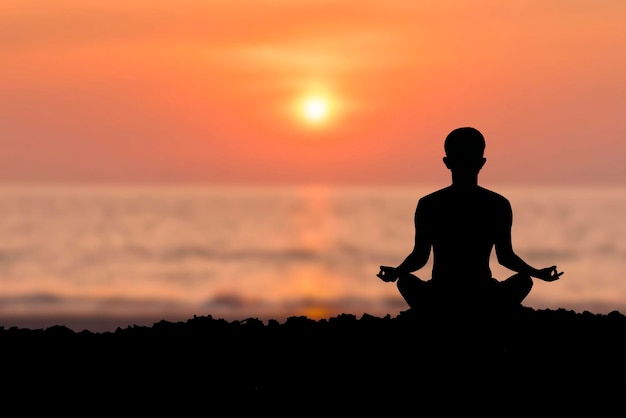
x=509 y=259
x=512 y=261
x=417 y=258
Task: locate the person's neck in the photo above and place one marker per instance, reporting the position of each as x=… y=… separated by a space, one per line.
x=464 y=181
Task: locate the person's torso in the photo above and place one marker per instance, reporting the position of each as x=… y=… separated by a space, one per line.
x=463 y=227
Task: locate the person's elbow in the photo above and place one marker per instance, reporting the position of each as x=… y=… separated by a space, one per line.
x=507 y=259
x=419 y=258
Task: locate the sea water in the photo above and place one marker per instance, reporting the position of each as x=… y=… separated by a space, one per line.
x=120 y=256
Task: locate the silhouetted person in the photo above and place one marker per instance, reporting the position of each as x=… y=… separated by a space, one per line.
x=462 y=223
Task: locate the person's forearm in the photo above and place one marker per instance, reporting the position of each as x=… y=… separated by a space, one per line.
x=411 y=263
x=405 y=267
x=515 y=263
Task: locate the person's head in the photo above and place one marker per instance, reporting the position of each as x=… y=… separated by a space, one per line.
x=464 y=149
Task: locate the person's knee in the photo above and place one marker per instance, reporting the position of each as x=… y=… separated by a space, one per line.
x=521 y=280
x=525 y=282
x=407 y=281
x=411 y=288
x=519 y=286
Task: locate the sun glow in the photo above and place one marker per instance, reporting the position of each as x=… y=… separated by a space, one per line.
x=315 y=109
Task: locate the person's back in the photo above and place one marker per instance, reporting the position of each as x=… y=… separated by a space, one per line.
x=462 y=225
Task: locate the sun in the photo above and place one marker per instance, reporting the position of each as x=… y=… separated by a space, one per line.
x=315 y=109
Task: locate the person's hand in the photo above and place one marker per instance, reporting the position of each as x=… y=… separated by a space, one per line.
x=388 y=274
x=549 y=274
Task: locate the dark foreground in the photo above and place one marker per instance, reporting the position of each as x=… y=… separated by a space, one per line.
x=540 y=362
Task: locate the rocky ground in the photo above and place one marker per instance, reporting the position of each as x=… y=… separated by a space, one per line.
x=540 y=362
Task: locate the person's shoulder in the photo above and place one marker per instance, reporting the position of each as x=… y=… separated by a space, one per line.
x=493 y=196
x=435 y=196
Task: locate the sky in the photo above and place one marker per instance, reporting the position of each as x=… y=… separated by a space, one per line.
x=356 y=92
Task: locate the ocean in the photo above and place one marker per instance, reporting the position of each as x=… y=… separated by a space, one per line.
x=103 y=257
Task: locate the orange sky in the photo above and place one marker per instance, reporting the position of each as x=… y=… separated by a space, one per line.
x=206 y=91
